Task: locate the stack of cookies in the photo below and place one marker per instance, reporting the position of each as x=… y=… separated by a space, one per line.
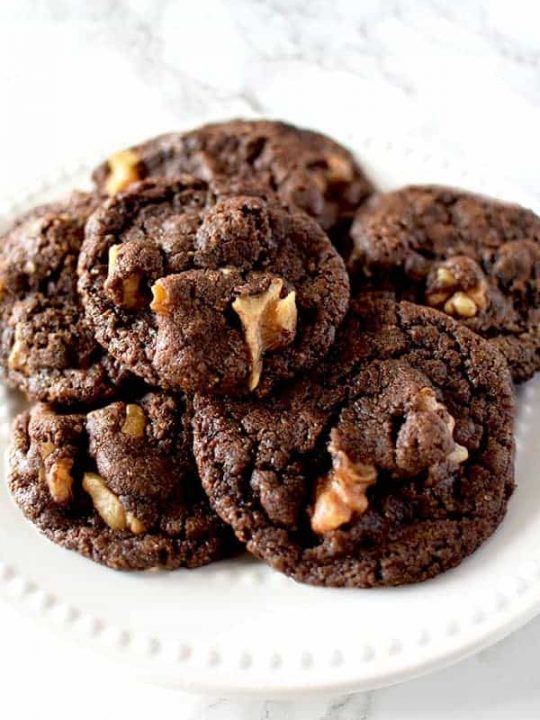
x=234 y=340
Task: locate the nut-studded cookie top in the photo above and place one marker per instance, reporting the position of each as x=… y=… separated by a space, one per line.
x=47 y=348
x=117 y=485
x=197 y=292
x=388 y=465
x=476 y=259
x=305 y=168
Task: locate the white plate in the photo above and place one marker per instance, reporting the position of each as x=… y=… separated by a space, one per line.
x=238 y=627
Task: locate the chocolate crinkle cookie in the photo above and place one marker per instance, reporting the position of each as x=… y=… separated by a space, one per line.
x=47 y=349
x=306 y=169
x=474 y=258
x=388 y=465
x=196 y=291
x=117 y=485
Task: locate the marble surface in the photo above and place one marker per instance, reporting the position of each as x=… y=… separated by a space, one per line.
x=81 y=78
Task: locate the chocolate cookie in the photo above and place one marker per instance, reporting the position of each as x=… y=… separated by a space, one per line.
x=474 y=258
x=47 y=349
x=388 y=465
x=197 y=292
x=118 y=485
x=305 y=168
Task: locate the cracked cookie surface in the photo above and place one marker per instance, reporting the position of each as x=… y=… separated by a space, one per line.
x=387 y=465
x=47 y=348
x=474 y=258
x=118 y=484
x=306 y=169
x=194 y=291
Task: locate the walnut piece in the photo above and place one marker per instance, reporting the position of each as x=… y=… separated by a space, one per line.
x=131 y=296
x=461 y=304
x=45 y=449
x=160 y=302
x=108 y=506
x=134 y=524
x=427 y=402
x=447 y=293
x=123 y=170
x=60 y=480
x=18 y=358
x=135 y=421
x=342 y=492
x=340 y=170
x=459 y=455
x=444 y=277
x=268 y=321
